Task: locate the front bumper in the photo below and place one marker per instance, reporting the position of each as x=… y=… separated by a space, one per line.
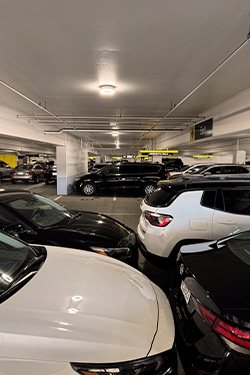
x=161 y=364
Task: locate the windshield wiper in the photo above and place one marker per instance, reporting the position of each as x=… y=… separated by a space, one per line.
x=75 y=217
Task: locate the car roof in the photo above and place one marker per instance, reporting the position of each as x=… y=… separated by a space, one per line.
x=184 y=183
x=10 y=192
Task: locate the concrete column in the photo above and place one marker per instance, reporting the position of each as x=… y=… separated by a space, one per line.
x=72 y=160
x=239 y=156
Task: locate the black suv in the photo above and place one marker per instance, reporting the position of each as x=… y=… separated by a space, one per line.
x=144 y=176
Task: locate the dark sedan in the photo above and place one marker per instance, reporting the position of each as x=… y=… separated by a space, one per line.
x=38 y=220
x=210 y=297
x=50 y=175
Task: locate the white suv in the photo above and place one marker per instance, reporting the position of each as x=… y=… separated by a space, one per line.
x=187 y=211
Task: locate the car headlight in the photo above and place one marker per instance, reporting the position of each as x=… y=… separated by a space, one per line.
x=115 y=252
x=160 y=364
x=77 y=179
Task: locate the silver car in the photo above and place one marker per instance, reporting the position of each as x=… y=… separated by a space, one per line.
x=28 y=173
x=5 y=169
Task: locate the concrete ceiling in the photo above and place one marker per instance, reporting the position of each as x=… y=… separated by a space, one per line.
x=57 y=53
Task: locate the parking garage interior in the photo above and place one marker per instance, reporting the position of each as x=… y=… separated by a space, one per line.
x=121 y=80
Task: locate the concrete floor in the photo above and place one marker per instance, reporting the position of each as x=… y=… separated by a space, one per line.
x=121 y=206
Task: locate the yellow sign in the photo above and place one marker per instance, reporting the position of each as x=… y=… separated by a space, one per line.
x=158 y=151
x=192 y=133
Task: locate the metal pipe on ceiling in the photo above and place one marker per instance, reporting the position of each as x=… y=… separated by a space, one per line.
x=63 y=130
x=32 y=101
x=194 y=118
x=52 y=122
x=204 y=80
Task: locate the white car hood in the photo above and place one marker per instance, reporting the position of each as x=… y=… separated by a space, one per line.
x=81 y=307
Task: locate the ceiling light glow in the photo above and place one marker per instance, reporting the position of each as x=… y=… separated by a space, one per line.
x=107 y=89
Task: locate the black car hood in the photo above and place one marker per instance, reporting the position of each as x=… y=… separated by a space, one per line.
x=101 y=227
x=224 y=276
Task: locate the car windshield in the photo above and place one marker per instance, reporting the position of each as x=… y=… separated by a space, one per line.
x=15 y=256
x=239 y=245
x=40 y=210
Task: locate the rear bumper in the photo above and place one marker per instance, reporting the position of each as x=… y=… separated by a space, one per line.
x=201 y=350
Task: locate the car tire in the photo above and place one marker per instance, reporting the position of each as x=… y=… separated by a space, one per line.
x=88 y=188
x=13 y=181
x=149 y=188
x=46 y=182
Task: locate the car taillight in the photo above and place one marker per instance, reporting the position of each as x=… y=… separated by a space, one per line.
x=167 y=174
x=234 y=334
x=158 y=220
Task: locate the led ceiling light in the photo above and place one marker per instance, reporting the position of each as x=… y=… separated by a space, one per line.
x=107 y=89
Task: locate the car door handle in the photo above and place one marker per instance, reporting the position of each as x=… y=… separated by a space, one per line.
x=227 y=222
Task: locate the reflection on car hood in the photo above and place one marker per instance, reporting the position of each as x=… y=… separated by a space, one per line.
x=105 y=227
x=80 y=307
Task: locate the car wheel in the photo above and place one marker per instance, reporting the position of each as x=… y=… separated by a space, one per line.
x=149 y=188
x=88 y=188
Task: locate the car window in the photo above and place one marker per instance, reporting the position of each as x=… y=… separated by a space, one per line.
x=160 y=197
x=229 y=169
x=150 y=169
x=14 y=255
x=239 y=246
x=6 y=218
x=131 y=169
x=197 y=169
x=40 y=210
x=214 y=170
x=110 y=171
x=208 y=199
x=237 y=201
x=242 y=170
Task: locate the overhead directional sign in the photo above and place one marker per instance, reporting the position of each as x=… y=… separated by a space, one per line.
x=202 y=130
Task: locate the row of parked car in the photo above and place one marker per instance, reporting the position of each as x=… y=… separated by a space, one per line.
x=71 y=304
x=144 y=177
x=33 y=172
x=203 y=224
x=90 y=312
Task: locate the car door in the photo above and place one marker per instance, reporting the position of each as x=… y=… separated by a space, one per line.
x=232 y=212
x=130 y=175
x=111 y=177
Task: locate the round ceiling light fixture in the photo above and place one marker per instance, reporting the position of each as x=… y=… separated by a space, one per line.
x=107 y=89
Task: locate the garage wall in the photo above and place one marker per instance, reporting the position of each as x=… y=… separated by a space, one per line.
x=231 y=116
x=23 y=133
